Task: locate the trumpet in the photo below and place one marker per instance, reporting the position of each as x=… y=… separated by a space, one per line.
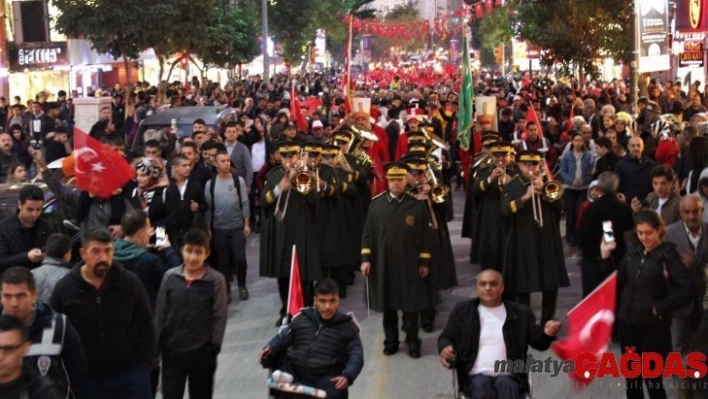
x=501 y=182
x=302 y=180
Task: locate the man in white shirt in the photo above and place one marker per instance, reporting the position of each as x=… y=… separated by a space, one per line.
x=483 y=331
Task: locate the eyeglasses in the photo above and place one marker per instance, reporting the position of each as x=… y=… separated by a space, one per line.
x=7 y=349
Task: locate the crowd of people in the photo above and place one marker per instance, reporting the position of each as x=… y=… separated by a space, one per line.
x=364 y=184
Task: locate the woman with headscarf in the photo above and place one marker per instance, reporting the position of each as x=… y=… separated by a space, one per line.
x=151 y=187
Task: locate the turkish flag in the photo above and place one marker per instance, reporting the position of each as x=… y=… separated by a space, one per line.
x=296 y=301
x=590 y=328
x=532 y=117
x=100 y=170
x=296 y=111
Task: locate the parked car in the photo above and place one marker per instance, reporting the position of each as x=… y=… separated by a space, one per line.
x=185 y=117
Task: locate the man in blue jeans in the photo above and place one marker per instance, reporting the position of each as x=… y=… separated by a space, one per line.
x=108 y=307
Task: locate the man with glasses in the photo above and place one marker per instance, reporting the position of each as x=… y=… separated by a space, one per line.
x=16 y=379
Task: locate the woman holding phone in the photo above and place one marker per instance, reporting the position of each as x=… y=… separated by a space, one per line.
x=652 y=283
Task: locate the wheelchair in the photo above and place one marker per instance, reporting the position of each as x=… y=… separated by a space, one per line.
x=278 y=389
x=459 y=390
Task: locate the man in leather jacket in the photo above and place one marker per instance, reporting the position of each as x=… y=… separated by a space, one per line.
x=482 y=331
x=323 y=345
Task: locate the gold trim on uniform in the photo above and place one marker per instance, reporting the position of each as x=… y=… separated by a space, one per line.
x=366 y=251
x=513 y=207
x=410 y=220
x=425 y=255
x=269 y=197
x=483 y=185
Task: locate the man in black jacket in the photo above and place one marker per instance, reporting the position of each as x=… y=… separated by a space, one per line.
x=481 y=332
x=634 y=171
x=108 y=307
x=322 y=345
x=185 y=196
x=23 y=235
x=606 y=208
x=191 y=321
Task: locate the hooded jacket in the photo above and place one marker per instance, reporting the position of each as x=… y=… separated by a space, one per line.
x=148 y=266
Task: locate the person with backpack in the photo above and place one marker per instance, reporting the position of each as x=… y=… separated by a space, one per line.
x=228 y=218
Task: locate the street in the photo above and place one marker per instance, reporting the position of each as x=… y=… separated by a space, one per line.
x=252 y=323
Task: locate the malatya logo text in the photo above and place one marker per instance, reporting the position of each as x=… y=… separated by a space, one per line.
x=630 y=365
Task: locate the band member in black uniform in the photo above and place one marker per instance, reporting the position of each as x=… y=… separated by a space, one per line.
x=487 y=190
x=396 y=258
x=534 y=261
x=289 y=200
x=481 y=161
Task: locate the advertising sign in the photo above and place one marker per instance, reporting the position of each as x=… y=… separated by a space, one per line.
x=692 y=55
x=692 y=15
x=653 y=36
x=31 y=57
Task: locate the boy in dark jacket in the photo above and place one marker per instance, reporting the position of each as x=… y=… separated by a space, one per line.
x=323 y=345
x=191 y=321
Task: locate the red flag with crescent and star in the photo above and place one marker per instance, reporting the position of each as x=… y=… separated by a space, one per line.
x=100 y=170
x=590 y=328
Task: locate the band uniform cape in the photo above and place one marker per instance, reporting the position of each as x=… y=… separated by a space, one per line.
x=331 y=222
x=488 y=227
x=470 y=208
x=396 y=240
x=533 y=260
x=443 y=274
x=297 y=228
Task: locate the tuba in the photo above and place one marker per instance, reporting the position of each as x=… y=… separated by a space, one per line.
x=359 y=136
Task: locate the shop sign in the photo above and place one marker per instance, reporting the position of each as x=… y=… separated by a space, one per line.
x=692 y=55
x=692 y=15
x=38 y=57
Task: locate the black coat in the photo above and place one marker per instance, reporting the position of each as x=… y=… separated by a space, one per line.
x=115 y=324
x=463 y=330
x=534 y=259
x=331 y=222
x=16 y=240
x=589 y=234
x=397 y=241
x=319 y=348
x=180 y=217
x=297 y=228
x=635 y=180
x=641 y=285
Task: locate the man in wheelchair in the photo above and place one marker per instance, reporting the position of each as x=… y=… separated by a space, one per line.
x=320 y=348
x=484 y=330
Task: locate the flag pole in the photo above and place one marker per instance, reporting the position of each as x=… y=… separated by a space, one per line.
x=368 y=302
x=348 y=82
x=290 y=291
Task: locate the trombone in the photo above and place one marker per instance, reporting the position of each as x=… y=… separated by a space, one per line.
x=550 y=191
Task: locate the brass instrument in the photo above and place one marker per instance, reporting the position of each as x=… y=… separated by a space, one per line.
x=550 y=191
x=438 y=191
x=483 y=160
x=302 y=180
x=359 y=136
x=342 y=163
x=501 y=183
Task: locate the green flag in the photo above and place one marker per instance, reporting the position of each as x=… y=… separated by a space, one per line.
x=465 y=121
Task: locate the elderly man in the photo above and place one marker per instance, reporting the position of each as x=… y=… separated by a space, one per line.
x=634 y=171
x=484 y=330
x=689 y=236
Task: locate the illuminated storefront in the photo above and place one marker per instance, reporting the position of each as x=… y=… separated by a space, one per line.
x=37 y=67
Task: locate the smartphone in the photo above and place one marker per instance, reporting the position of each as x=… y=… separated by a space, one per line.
x=607 y=232
x=160 y=236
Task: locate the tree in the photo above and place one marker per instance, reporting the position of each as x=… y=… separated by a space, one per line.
x=568 y=32
x=293 y=24
x=232 y=39
x=122 y=28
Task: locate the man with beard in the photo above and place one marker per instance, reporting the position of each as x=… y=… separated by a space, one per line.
x=108 y=307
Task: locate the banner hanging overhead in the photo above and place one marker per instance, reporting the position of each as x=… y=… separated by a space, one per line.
x=653 y=36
